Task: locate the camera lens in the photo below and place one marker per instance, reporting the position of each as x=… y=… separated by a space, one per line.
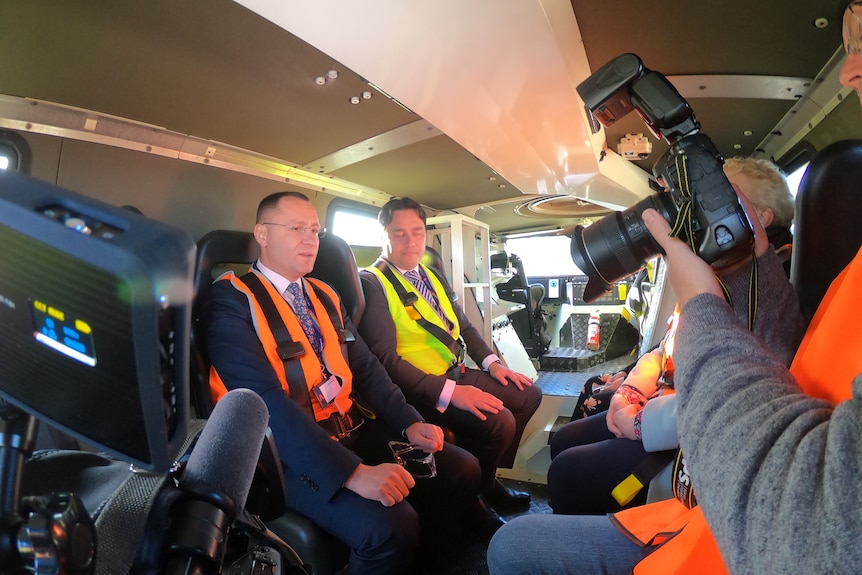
x=617 y=245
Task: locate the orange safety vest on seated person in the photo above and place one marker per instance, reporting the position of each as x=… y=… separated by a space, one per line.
x=332 y=355
x=825 y=365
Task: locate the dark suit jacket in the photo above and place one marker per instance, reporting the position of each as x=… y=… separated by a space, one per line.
x=305 y=449
x=378 y=329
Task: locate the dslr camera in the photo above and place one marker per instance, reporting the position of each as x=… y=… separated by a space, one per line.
x=697 y=200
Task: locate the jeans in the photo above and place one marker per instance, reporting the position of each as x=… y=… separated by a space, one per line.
x=562 y=545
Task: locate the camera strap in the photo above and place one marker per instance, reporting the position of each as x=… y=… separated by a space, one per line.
x=682 y=225
x=752 y=292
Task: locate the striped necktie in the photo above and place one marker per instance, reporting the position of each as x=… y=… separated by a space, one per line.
x=422 y=287
x=303 y=314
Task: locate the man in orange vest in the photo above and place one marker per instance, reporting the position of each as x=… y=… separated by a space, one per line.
x=775 y=454
x=289 y=339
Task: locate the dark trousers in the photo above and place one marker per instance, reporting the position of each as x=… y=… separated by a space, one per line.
x=494 y=441
x=383 y=539
x=588 y=461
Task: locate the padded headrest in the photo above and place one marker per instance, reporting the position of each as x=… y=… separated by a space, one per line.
x=223 y=248
x=336 y=266
x=500 y=261
x=828 y=216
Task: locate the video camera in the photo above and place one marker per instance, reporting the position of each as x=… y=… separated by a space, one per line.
x=699 y=203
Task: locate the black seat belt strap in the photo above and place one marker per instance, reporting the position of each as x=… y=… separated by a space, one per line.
x=409 y=299
x=288 y=350
x=345 y=335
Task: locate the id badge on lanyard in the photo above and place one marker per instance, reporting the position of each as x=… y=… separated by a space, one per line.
x=327 y=390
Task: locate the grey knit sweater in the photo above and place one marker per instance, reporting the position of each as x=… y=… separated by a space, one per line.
x=776 y=472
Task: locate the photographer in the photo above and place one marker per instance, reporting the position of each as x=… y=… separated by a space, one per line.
x=779 y=484
x=606 y=544
x=592 y=456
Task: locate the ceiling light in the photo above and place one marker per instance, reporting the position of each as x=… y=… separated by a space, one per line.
x=332 y=74
x=366 y=95
x=354 y=99
x=320 y=80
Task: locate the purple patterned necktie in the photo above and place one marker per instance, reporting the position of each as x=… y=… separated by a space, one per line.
x=303 y=314
x=422 y=287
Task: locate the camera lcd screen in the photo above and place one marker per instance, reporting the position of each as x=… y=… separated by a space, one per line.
x=63 y=333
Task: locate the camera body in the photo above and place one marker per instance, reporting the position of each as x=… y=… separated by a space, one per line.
x=698 y=202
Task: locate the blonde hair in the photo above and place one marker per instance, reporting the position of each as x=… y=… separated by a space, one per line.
x=770 y=189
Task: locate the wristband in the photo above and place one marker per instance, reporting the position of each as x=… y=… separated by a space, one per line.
x=637 y=425
x=632 y=395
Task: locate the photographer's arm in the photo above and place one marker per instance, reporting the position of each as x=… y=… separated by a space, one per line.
x=776 y=471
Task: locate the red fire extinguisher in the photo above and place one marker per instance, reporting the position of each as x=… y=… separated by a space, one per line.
x=594 y=331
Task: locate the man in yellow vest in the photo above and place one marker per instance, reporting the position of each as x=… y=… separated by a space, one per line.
x=414 y=326
x=289 y=339
x=775 y=455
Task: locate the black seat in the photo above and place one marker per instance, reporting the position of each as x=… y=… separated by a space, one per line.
x=223 y=250
x=827 y=221
x=529 y=323
x=336 y=266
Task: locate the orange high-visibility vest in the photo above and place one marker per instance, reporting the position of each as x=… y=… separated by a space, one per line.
x=827 y=361
x=332 y=355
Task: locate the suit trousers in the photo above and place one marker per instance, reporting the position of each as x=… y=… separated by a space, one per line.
x=383 y=540
x=494 y=441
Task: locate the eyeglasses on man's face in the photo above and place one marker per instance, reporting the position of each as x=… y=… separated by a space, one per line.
x=316 y=231
x=852 y=28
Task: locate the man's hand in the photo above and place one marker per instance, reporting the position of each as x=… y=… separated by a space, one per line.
x=475 y=401
x=624 y=421
x=688 y=274
x=388 y=483
x=503 y=374
x=425 y=436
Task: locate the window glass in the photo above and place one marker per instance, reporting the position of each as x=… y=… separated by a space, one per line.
x=544 y=255
x=795 y=177
x=8 y=157
x=356 y=228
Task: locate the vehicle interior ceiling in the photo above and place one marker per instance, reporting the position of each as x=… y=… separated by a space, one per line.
x=467 y=108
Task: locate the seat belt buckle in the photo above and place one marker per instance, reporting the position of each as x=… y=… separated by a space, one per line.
x=455 y=371
x=626 y=490
x=340 y=429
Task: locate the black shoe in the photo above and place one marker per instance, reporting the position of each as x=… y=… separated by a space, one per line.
x=481 y=519
x=503 y=499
